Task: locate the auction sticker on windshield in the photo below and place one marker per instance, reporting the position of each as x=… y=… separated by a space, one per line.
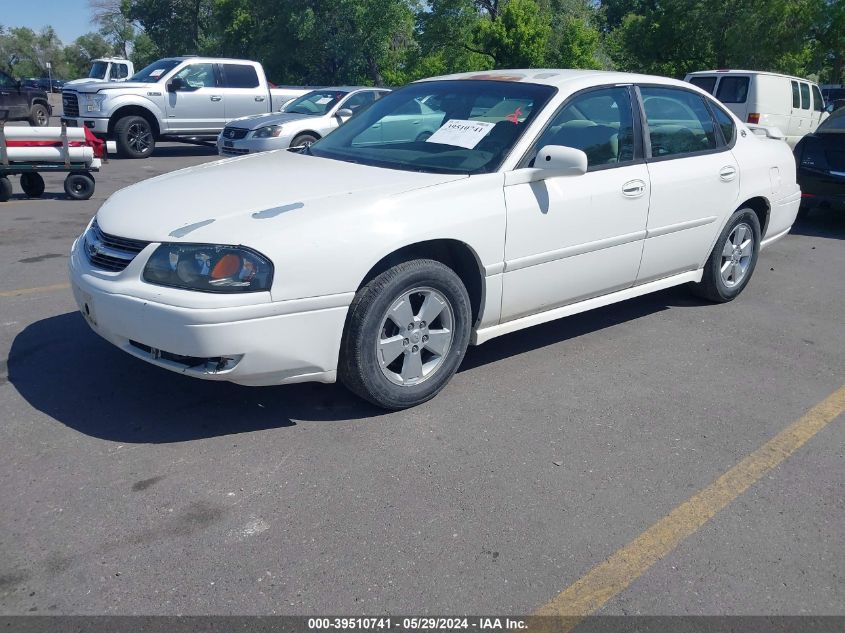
x=461 y=133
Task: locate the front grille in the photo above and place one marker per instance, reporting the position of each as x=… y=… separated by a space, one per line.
x=234 y=151
x=234 y=133
x=110 y=252
x=70 y=104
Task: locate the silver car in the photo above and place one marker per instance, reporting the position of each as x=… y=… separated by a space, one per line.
x=303 y=121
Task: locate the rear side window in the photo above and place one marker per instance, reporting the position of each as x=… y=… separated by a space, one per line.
x=818 y=102
x=725 y=122
x=796 y=95
x=679 y=122
x=805 y=96
x=733 y=90
x=705 y=83
x=240 y=76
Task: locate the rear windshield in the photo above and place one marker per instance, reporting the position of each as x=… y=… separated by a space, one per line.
x=705 y=83
x=733 y=90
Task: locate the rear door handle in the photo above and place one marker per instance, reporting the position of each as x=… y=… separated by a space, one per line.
x=727 y=173
x=633 y=188
x=259 y=98
x=216 y=98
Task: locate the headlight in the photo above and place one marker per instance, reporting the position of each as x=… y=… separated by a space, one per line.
x=209 y=268
x=267 y=131
x=95 y=102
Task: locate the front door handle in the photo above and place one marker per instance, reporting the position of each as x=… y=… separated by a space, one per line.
x=216 y=98
x=633 y=188
x=259 y=98
x=727 y=173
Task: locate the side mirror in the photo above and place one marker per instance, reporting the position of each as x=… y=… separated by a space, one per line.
x=344 y=114
x=552 y=161
x=176 y=84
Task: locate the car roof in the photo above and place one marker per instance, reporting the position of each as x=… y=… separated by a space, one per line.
x=348 y=88
x=747 y=72
x=560 y=77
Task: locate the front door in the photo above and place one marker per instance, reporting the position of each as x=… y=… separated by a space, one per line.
x=13 y=101
x=574 y=237
x=197 y=106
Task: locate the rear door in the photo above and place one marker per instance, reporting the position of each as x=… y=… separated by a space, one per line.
x=197 y=106
x=243 y=91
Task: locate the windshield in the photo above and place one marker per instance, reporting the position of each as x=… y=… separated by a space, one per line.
x=455 y=127
x=317 y=102
x=155 y=71
x=835 y=123
x=98 y=70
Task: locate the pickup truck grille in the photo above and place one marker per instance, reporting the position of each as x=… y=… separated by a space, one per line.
x=110 y=252
x=234 y=133
x=70 y=104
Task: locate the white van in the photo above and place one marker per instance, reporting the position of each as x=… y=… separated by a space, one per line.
x=792 y=104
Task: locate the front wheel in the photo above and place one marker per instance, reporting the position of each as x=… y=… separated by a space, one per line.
x=731 y=263
x=38 y=115
x=304 y=140
x=134 y=137
x=406 y=334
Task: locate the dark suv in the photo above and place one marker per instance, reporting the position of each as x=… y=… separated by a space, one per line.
x=23 y=103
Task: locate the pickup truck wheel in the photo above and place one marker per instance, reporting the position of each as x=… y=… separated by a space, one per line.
x=304 y=140
x=38 y=115
x=731 y=263
x=79 y=185
x=406 y=334
x=134 y=137
x=32 y=184
x=5 y=189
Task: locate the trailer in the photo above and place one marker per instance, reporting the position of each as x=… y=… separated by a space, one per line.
x=29 y=152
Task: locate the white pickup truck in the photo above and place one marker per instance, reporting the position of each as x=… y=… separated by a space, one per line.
x=172 y=98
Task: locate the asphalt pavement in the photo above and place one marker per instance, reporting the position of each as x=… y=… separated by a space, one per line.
x=128 y=489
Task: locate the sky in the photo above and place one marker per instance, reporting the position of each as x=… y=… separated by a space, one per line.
x=70 y=18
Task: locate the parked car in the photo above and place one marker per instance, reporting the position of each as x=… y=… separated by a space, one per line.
x=171 y=98
x=23 y=103
x=793 y=105
x=303 y=121
x=542 y=194
x=48 y=84
x=821 y=165
x=107 y=69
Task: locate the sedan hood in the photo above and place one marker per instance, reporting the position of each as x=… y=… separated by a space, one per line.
x=221 y=202
x=275 y=118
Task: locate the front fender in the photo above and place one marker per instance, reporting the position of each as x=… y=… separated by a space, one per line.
x=152 y=103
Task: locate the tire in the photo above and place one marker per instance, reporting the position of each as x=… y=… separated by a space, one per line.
x=5 y=189
x=32 y=184
x=304 y=140
x=134 y=137
x=735 y=254
x=427 y=355
x=79 y=185
x=38 y=115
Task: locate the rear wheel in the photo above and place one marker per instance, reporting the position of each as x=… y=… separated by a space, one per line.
x=134 y=137
x=79 y=185
x=32 y=184
x=731 y=263
x=5 y=189
x=406 y=334
x=38 y=115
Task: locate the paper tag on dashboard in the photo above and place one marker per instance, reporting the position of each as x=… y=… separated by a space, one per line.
x=323 y=100
x=461 y=133
x=158 y=72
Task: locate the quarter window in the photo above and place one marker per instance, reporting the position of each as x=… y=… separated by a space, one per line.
x=598 y=122
x=796 y=95
x=805 y=96
x=678 y=122
x=240 y=76
x=733 y=90
x=725 y=122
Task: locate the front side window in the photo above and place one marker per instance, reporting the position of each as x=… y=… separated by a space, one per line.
x=359 y=100
x=818 y=101
x=705 y=83
x=119 y=71
x=240 y=76
x=598 y=122
x=471 y=125
x=796 y=95
x=98 y=70
x=733 y=90
x=197 y=76
x=316 y=102
x=678 y=122
x=805 y=96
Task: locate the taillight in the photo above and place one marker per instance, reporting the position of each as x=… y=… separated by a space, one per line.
x=754 y=117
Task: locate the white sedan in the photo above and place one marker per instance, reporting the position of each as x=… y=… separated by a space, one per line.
x=541 y=194
x=303 y=121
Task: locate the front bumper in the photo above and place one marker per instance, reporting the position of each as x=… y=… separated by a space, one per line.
x=263 y=343
x=98 y=126
x=239 y=147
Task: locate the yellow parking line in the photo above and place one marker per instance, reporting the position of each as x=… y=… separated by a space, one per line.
x=614 y=575
x=33 y=291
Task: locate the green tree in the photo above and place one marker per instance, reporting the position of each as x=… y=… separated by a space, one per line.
x=85 y=48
